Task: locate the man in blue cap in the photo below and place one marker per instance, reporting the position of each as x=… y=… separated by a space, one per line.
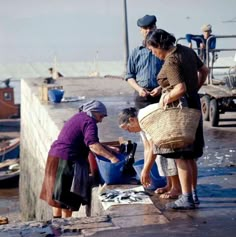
x=143 y=67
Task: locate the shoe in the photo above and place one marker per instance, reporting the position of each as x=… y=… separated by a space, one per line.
x=183 y=203
x=195 y=197
x=196 y=200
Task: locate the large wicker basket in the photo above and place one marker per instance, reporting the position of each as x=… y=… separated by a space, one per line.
x=171 y=127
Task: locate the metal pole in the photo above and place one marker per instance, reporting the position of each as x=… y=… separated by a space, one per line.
x=126 y=38
x=210 y=76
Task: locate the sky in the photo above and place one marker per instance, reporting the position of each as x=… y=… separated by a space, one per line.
x=84 y=30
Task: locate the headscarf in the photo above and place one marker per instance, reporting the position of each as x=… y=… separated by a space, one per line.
x=93 y=106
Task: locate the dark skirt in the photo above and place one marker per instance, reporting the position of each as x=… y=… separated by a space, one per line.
x=57 y=184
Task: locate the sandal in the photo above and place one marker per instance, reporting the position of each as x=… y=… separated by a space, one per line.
x=169 y=195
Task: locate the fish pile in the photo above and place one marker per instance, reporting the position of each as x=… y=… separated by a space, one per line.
x=127 y=196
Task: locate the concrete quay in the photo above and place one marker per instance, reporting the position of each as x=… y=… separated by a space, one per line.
x=215 y=217
x=40 y=124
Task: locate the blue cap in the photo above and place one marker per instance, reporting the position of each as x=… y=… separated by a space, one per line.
x=146 y=21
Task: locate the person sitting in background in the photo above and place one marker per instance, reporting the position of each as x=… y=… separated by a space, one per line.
x=66 y=181
x=54 y=73
x=201 y=41
x=54 y=76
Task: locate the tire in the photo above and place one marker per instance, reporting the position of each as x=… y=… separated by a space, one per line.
x=214 y=113
x=205 y=105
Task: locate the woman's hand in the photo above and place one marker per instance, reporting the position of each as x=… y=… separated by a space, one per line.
x=114 y=160
x=176 y=93
x=155 y=92
x=202 y=46
x=99 y=149
x=112 y=149
x=145 y=178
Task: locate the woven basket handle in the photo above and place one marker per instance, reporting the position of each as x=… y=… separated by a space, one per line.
x=178 y=106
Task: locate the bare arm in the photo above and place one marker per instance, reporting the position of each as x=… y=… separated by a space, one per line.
x=98 y=149
x=149 y=159
x=176 y=93
x=202 y=75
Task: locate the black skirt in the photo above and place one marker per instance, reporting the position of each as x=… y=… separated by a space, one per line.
x=56 y=188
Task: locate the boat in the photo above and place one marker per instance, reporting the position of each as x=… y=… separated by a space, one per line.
x=9 y=173
x=7 y=101
x=9 y=149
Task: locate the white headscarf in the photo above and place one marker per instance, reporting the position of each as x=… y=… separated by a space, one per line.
x=93 y=106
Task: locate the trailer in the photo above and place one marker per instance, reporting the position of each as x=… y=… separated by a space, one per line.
x=218 y=95
x=216 y=100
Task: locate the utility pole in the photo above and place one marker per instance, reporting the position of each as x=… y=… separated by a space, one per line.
x=126 y=38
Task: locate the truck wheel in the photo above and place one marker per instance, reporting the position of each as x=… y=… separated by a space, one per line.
x=214 y=113
x=205 y=104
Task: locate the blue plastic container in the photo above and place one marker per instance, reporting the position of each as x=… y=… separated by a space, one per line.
x=156 y=180
x=110 y=173
x=55 y=95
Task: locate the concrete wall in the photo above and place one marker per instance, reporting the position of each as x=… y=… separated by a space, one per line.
x=40 y=126
x=37 y=132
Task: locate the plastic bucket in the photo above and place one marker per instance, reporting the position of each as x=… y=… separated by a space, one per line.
x=110 y=173
x=156 y=180
x=55 y=95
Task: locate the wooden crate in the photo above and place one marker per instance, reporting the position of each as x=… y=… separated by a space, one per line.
x=43 y=91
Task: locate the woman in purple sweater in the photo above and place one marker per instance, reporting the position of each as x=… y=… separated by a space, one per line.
x=66 y=182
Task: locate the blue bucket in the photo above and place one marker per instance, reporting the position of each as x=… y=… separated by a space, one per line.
x=156 y=180
x=55 y=95
x=110 y=173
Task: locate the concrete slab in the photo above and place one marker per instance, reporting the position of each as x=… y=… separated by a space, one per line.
x=132 y=210
x=139 y=220
x=120 y=209
x=89 y=232
x=215 y=217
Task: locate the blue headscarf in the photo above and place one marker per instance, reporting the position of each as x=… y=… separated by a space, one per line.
x=93 y=106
